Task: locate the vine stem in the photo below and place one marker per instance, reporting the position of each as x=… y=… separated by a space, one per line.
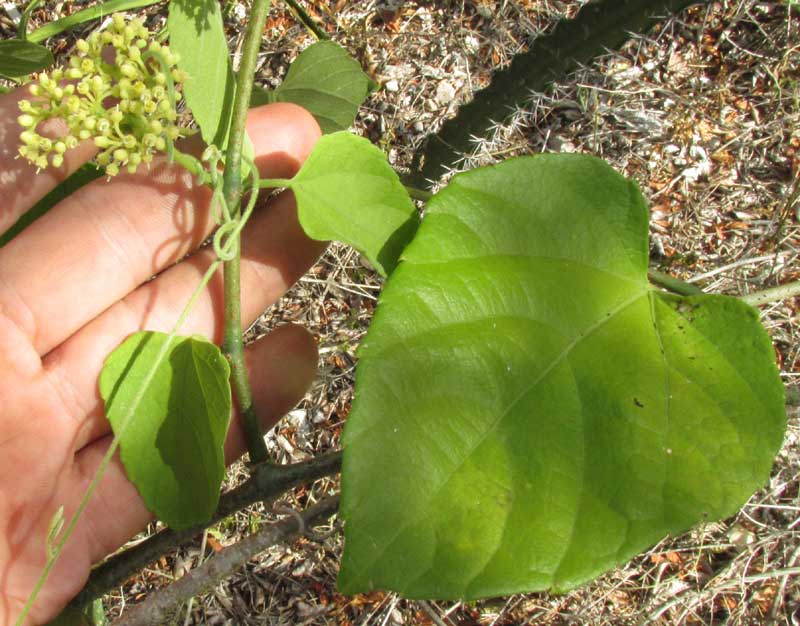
x=673 y=284
x=309 y=22
x=126 y=420
x=232 y=345
x=773 y=294
x=766 y=296
x=418 y=194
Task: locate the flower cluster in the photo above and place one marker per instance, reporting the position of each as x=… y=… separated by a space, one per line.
x=127 y=107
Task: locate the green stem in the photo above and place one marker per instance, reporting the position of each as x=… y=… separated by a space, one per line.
x=274 y=183
x=232 y=345
x=22 y=29
x=773 y=294
x=675 y=285
x=304 y=17
x=418 y=194
x=126 y=420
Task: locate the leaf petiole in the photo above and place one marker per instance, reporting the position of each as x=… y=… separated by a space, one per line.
x=274 y=183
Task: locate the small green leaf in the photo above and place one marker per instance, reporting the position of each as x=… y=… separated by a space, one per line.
x=71 y=616
x=82 y=176
x=91 y=615
x=528 y=411
x=173 y=447
x=197 y=34
x=347 y=191
x=20 y=58
x=97 y=613
x=260 y=96
x=325 y=80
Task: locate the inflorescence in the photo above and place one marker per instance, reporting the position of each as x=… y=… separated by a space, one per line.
x=127 y=107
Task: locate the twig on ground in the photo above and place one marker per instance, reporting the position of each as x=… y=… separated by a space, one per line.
x=265 y=483
x=160 y=606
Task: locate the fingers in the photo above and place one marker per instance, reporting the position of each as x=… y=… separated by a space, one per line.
x=282 y=367
x=102 y=242
x=275 y=253
x=20 y=185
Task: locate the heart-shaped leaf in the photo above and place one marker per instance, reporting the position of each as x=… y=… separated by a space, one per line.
x=528 y=411
x=347 y=191
x=172 y=448
x=325 y=80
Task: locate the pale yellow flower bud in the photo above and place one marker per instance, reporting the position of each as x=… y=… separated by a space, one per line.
x=29 y=138
x=129 y=133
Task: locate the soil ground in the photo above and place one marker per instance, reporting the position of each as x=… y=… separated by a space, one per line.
x=702 y=111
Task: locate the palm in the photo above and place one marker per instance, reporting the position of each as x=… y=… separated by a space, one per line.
x=72 y=287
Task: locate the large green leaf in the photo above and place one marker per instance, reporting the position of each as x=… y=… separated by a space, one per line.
x=172 y=448
x=528 y=411
x=347 y=191
x=197 y=34
x=19 y=58
x=325 y=80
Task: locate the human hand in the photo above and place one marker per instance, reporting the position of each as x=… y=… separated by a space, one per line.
x=73 y=286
